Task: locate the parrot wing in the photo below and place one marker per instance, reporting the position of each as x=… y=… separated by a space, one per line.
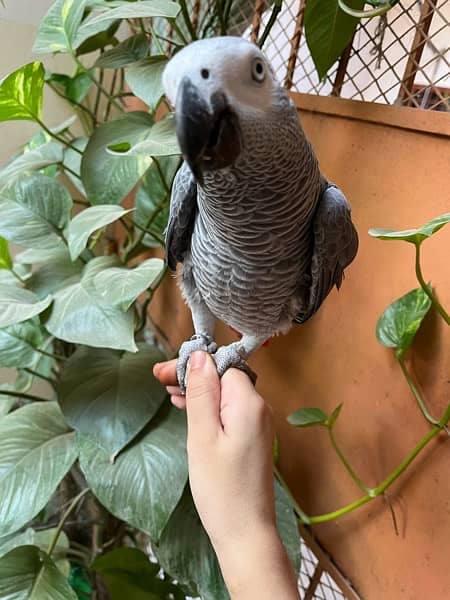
x=183 y=210
x=335 y=242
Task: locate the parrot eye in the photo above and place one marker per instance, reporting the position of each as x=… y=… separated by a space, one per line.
x=258 y=70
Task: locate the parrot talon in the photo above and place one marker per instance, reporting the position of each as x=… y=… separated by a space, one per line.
x=228 y=357
x=198 y=341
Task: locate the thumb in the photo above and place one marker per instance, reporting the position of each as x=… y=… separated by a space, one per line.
x=203 y=397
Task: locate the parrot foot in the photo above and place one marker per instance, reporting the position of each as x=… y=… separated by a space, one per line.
x=230 y=356
x=197 y=342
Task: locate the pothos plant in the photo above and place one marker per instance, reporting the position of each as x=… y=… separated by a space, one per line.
x=396 y=329
x=93 y=477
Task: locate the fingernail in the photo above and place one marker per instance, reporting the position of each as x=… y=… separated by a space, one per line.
x=197 y=360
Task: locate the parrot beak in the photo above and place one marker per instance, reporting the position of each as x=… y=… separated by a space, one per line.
x=208 y=133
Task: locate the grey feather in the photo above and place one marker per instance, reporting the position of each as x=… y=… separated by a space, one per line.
x=183 y=210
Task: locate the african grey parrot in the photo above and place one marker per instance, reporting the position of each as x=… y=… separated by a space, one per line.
x=262 y=235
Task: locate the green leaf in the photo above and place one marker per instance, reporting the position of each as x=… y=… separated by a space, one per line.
x=328 y=31
x=5 y=257
x=107 y=178
x=55 y=274
x=18 y=304
x=334 y=416
x=153 y=196
x=72 y=161
x=131 y=50
x=35 y=209
x=36 y=451
x=42 y=255
x=109 y=396
x=185 y=552
x=96 y=37
x=414 y=236
x=74 y=88
x=6 y=402
x=28 y=573
x=18 y=344
x=138 y=10
x=287 y=526
x=87 y=221
x=50 y=153
x=122 y=286
x=145 y=79
x=161 y=140
x=307 y=417
x=128 y=573
x=80 y=316
x=42 y=539
x=147 y=479
x=21 y=93
x=399 y=323
x=59 y=27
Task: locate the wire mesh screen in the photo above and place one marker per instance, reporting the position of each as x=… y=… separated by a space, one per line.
x=402 y=57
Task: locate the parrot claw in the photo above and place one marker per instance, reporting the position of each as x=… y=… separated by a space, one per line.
x=197 y=342
x=228 y=357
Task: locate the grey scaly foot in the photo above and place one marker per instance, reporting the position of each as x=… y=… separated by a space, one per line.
x=230 y=356
x=197 y=342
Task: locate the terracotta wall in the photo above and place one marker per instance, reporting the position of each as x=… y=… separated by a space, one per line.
x=394 y=165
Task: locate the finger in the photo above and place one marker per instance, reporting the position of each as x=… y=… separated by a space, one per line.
x=179 y=402
x=166 y=372
x=203 y=398
x=173 y=390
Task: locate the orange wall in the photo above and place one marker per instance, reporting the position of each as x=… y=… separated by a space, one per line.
x=395 y=174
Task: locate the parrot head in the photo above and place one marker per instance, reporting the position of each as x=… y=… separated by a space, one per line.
x=213 y=84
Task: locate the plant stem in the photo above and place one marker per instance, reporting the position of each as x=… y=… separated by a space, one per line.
x=271 y=22
x=22 y=395
x=427 y=289
x=74 y=102
x=179 y=32
x=18 y=277
x=51 y=355
x=157 y=42
x=220 y=14
x=97 y=83
x=57 y=137
x=187 y=20
x=143 y=317
x=51 y=381
x=111 y=91
x=64 y=518
x=362 y=486
x=71 y=171
x=382 y=487
x=416 y=393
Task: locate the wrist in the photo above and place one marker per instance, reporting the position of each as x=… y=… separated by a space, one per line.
x=255 y=564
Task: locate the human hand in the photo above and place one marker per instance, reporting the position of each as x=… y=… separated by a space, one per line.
x=230 y=456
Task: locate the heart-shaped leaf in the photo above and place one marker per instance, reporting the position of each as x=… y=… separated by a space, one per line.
x=18 y=304
x=128 y=573
x=185 y=552
x=87 y=221
x=328 y=31
x=21 y=94
x=145 y=79
x=47 y=154
x=5 y=257
x=18 y=344
x=161 y=140
x=122 y=286
x=399 y=323
x=108 y=179
x=28 y=573
x=414 y=236
x=109 y=396
x=307 y=417
x=153 y=197
x=59 y=27
x=81 y=316
x=42 y=539
x=35 y=209
x=36 y=451
x=54 y=275
x=147 y=479
x=131 y=50
x=287 y=526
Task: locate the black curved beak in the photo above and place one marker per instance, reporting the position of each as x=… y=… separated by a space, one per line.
x=208 y=133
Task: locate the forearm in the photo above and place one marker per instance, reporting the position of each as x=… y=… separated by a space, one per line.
x=257 y=568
